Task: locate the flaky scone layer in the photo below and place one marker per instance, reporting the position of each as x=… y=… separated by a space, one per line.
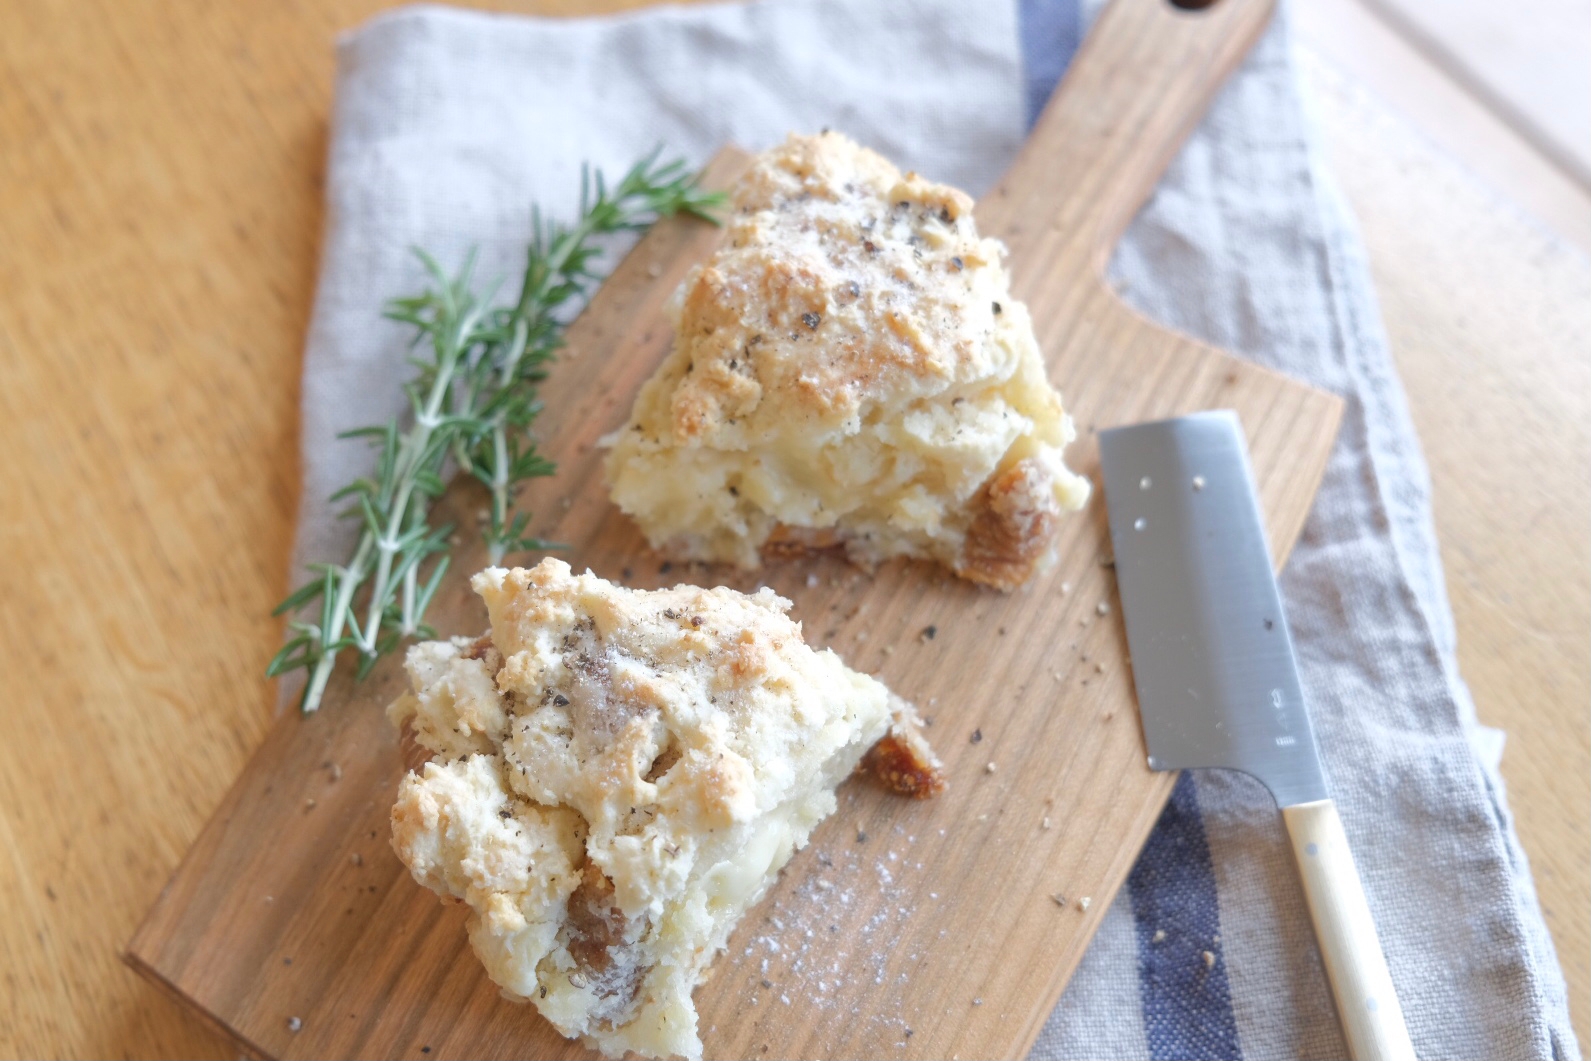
x=617 y=775
x=850 y=370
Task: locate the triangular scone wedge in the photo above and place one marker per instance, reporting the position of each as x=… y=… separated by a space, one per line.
x=617 y=776
x=850 y=370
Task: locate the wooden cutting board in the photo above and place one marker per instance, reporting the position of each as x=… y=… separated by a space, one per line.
x=905 y=929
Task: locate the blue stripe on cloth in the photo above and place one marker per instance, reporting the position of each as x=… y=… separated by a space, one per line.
x=1051 y=31
x=1187 y=1003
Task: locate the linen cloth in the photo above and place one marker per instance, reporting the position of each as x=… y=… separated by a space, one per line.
x=448 y=124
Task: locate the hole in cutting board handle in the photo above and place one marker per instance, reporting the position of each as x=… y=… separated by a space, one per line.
x=1193 y=5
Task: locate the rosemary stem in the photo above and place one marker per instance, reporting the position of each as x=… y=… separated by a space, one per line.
x=347 y=582
x=411 y=621
x=410 y=455
x=499 y=490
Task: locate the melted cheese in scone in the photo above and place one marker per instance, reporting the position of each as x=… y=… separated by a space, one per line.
x=850 y=370
x=617 y=775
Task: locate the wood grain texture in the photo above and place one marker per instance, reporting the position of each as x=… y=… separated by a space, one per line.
x=159 y=205
x=1526 y=60
x=291 y=923
x=1353 y=37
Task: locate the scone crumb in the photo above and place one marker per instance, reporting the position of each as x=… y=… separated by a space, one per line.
x=896 y=761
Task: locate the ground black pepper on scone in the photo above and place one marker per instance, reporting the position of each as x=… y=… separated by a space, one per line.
x=617 y=775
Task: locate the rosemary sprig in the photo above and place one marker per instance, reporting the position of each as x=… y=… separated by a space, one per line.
x=470 y=404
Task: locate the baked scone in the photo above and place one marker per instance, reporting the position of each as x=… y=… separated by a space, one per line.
x=617 y=775
x=849 y=370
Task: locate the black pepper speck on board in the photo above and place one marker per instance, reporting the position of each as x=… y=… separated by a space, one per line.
x=977 y=736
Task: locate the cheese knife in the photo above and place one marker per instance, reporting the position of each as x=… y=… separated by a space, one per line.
x=1217 y=681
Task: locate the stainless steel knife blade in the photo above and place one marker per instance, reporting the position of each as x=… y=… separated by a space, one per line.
x=1218 y=682
x=1211 y=654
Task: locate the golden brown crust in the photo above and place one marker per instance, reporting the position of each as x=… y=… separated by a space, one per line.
x=840 y=278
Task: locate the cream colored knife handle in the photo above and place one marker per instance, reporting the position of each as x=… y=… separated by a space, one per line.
x=1371 y=1018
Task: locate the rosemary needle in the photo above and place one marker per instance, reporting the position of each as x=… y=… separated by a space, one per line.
x=471 y=403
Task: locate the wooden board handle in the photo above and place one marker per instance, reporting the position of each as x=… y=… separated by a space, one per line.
x=1144 y=76
x=1367 y=1005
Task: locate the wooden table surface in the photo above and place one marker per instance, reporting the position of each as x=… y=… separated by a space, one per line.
x=160 y=205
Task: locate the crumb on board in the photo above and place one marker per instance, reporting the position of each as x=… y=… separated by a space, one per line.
x=294 y=1024
x=1084 y=902
x=1159 y=936
x=1209 y=959
x=989 y=769
x=1103 y=607
x=1045 y=824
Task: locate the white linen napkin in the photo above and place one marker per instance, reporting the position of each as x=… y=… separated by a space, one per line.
x=447 y=126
